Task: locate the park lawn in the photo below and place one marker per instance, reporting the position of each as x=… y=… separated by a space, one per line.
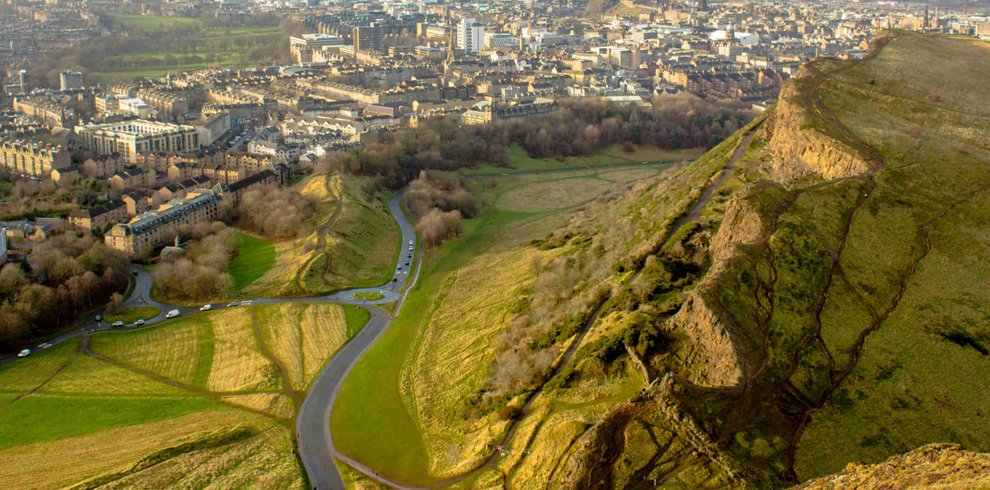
x=520 y=161
x=153 y=22
x=131 y=314
x=254 y=257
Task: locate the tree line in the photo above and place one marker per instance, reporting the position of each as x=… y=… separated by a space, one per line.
x=580 y=127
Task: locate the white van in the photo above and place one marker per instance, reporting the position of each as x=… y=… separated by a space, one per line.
x=172 y=314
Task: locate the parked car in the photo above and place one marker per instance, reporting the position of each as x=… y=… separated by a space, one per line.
x=98 y=318
x=172 y=314
x=24 y=353
x=206 y=307
x=139 y=322
x=118 y=323
x=247 y=302
x=233 y=304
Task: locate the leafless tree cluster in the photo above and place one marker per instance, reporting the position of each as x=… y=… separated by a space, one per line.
x=439 y=201
x=60 y=278
x=437 y=226
x=202 y=273
x=276 y=212
x=446 y=191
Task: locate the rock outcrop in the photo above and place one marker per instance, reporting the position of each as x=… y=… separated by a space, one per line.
x=797 y=140
x=719 y=354
x=946 y=466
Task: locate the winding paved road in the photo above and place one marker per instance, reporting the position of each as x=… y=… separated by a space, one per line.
x=314 y=438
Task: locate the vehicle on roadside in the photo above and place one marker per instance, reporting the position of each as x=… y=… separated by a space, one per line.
x=24 y=353
x=98 y=318
x=247 y=302
x=118 y=323
x=233 y=304
x=139 y=322
x=172 y=314
x=206 y=307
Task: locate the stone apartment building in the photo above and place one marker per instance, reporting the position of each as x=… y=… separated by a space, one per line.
x=99 y=217
x=34 y=159
x=151 y=229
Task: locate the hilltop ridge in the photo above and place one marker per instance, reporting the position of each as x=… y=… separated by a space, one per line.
x=804 y=295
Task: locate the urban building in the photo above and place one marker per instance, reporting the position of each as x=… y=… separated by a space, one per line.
x=367 y=38
x=151 y=229
x=132 y=138
x=70 y=80
x=470 y=36
x=34 y=159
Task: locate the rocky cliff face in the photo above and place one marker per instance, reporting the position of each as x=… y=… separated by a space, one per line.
x=719 y=352
x=933 y=466
x=796 y=141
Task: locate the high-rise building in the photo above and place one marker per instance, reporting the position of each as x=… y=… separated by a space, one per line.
x=70 y=80
x=470 y=35
x=367 y=38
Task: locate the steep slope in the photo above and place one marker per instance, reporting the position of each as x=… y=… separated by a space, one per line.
x=932 y=466
x=809 y=293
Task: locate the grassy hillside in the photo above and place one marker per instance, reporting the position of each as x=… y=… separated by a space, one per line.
x=424 y=375
x=353 y=245
x=807 y=294
x=200 y=400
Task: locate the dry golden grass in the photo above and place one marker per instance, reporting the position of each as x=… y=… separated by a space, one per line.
x=551 y=445
x=277 y=405
x=172 y=352
x=73 y=460
x=263 y=461
x=456 y=352
x=629 y=175
x=550 y=195
x=324 y=331
x=303 y=337
x=21 y=377
x=279 y=325
x=237 y=364
x=87 y=375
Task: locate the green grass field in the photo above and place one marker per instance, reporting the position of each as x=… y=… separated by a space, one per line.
x=139 y=391
x=201 y=47
x=255 y=256
x=132 y=314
